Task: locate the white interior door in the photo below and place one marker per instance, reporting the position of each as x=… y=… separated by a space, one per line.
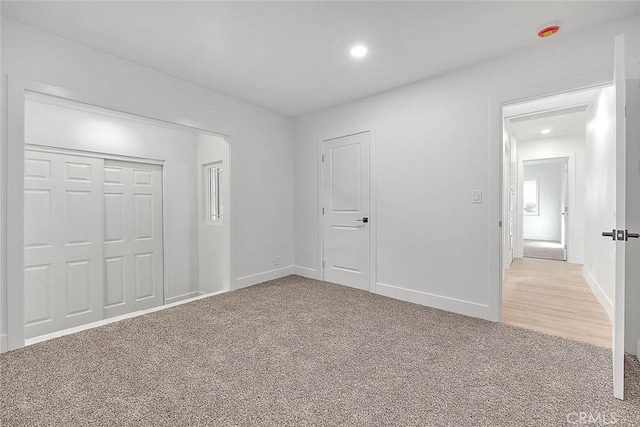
x=133 y=253
x=346 y=210
x=62 y=235
x=619 y=88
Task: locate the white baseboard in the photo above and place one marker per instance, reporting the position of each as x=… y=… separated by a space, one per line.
x=543 y=238
x=254 y=279
x=183 y=296
x=454 y=305
x=310 y=273
x=3 y=344
x=638 y=348
x=103 y=322
x=597 y=290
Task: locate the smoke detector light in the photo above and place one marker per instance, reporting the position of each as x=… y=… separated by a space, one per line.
x=358 y=51
x=545 y=131
x=548 y=30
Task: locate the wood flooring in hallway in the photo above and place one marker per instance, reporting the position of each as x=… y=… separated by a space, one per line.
x=552 y=297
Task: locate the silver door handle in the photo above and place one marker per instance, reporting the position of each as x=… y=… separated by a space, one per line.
x=622 y=235
x=364 y=219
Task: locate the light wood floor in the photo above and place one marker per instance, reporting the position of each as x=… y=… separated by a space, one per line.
x=552 y=297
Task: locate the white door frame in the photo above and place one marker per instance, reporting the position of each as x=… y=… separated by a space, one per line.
x=373 y=201
x=12 y=185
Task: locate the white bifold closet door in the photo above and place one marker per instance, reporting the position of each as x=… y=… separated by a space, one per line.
x=133 y=264
x=93 y=240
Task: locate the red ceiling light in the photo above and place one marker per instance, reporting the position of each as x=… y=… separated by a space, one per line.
x=548 y=30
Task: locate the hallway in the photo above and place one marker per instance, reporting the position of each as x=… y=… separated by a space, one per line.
x=552 y=297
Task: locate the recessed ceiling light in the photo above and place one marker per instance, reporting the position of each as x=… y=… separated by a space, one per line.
x=358 y=51
x=545 y=131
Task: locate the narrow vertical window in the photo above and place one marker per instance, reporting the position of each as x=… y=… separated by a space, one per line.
x=213 y=194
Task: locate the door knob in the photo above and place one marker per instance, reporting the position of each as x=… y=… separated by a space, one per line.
x=623 y=235
x=364 y=219
x=611 y=234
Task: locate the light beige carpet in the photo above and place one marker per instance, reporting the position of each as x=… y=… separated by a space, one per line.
x=295 y=352
x=542 y=249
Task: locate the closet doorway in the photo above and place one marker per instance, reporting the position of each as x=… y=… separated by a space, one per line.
x=93 y=239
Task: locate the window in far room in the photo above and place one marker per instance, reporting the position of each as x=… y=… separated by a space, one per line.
x=530 y=197
x=212 y=180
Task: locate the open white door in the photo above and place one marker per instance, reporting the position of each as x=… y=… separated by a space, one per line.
x=620 y=233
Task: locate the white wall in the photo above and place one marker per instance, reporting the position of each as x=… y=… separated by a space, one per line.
x=420 y=142
x=213 y=237
x=434 y=142
x=89 y=130
x=573 y=147
x=547 y=224
x=262 y=152
x=599 y=265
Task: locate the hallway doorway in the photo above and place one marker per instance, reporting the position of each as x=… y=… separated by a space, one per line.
x=555 y=184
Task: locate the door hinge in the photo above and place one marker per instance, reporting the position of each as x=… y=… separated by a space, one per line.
x=323 y=210
x=323 y=263
x=323 y=158
x=499 y=223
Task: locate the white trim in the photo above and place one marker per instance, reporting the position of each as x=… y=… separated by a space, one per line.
x=14 y=189
x=310 y=273
x=254 y=279
x=599 y=293
x=454 y=305
x=495 y=207
x=3 y=344
x=171 y=300
x=638 y=348
x=92 y=154
x=541 y=238
x=103 y=322
x=320 y=191
x=373 y=211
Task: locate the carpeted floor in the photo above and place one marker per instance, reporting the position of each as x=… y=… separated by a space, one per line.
x=296 y=352
x=542 y=249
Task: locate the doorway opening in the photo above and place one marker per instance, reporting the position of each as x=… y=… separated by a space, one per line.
x=558 y=180
x=545 y=202
x=118 y=215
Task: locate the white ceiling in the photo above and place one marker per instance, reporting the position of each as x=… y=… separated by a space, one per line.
x=292 y=57
x=559 y=125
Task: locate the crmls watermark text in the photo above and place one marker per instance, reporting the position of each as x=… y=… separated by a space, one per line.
x=592 y=418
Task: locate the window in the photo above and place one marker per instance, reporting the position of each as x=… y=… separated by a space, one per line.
x=213 y=194
x=530 y=196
